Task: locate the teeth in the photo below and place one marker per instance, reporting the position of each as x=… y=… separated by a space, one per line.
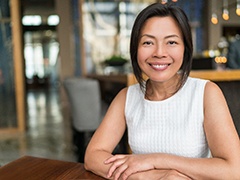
x=159 y=65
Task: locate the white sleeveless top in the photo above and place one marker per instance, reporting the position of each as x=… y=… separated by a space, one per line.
x=173 y=126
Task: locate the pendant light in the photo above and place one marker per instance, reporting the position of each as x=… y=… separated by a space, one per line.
x=214 y=18
x=225 y=14
x=238 y=8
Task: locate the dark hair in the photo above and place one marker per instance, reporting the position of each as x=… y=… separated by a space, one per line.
x=162 y=10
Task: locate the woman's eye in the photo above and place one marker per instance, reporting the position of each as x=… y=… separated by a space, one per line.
x=147 y=43
x=172 y=42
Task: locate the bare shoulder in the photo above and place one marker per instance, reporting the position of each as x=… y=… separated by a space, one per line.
x=213 y=94
x=121 y=96
x=123 y=92
x=118 y=103
x=215 y=105
x=212 y=88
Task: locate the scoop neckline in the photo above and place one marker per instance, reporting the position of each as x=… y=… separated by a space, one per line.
x=169 y=98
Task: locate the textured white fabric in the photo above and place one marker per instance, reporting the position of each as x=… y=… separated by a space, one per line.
x=173 y=126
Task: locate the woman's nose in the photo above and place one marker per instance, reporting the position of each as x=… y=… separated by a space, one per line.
x=159 y=51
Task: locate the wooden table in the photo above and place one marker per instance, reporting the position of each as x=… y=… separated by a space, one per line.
x=35 y=168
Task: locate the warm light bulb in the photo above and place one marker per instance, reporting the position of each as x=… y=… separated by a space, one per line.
x=214 y=19
x=238 y=10
x=225 y=14
x=220 y=59
x=174 y=0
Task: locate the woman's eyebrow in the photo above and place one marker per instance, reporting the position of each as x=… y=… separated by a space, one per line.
x=173 y=35
x=147 y=35
x=166 y=37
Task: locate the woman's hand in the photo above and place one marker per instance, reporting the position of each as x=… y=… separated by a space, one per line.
x=125 y=165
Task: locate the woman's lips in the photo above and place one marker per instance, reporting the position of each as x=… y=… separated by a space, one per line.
x=159 y=66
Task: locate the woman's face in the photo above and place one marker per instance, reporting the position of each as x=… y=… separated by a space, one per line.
x=160 y=48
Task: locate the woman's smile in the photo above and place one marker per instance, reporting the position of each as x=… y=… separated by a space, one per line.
x=159 y=67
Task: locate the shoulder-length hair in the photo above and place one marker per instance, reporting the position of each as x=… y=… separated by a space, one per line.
x=162 y=10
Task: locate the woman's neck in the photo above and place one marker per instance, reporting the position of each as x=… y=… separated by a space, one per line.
x=158 y=91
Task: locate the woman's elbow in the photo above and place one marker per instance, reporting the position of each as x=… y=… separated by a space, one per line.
x=86 y=166
x=87 y=162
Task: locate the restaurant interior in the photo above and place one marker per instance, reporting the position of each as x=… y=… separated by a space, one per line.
x=50 y=50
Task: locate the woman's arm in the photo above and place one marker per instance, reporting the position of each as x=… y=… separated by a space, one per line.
x=107 y=136
x=222 y=138
x=223 y=142
x=158 y=175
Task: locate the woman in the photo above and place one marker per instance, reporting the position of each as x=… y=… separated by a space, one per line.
x=173 y=121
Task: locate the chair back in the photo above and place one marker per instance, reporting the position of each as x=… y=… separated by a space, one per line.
x=85 y=102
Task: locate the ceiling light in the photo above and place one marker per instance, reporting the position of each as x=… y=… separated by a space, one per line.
x=214 y=18
x=238 y=8
x=225 y=14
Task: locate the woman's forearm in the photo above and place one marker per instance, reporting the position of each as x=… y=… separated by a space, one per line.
x=94 y=162
x=198 y=168
x=158 y=175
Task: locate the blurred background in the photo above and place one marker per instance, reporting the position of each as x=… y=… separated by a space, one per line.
x=45 y=42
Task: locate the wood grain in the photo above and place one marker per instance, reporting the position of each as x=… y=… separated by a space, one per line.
x=35 y=168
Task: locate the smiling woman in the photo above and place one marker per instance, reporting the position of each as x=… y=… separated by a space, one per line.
x=174 y=129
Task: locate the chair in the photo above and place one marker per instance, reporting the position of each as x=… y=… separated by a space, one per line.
x=85 y=104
